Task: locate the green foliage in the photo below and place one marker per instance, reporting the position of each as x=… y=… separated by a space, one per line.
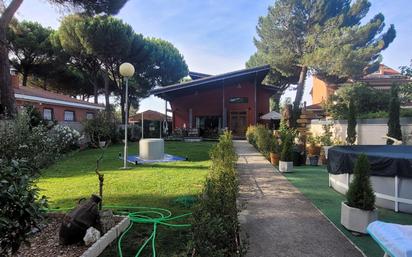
x=326 y=137
x=365 y=99
x=21 y=209
x=251 y=135
x=286 y=154
x=30 y=47
x=394 y=126
x=328 y=37
x=215 y=225
x=351 y=130
x=102 y=127
x=360 y=194
x=264 y=139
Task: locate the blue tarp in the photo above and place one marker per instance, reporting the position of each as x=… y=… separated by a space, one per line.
x=385 y=160
x=167 y=158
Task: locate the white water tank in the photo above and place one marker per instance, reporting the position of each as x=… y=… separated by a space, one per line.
x=151 y=149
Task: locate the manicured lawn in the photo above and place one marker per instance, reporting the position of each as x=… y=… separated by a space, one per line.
x=313 y=183
x=154 y=185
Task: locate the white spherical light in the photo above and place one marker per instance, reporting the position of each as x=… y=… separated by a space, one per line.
x=126 y=69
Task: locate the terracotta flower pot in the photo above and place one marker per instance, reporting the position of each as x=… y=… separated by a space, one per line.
x=274 y=158
x=313 y=150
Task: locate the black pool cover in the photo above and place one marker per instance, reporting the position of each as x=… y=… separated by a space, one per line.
x=385 y=160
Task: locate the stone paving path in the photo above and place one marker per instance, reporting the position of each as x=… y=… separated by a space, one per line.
x=277 y=219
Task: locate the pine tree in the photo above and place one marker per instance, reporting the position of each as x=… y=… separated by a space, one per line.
x=351 y=130
x=394 y=126
x=326 y=37
x=360 y=194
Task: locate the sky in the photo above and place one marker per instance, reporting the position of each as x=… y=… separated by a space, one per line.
x=216 y=36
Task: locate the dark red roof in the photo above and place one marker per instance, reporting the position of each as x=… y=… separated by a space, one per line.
x=38 y=92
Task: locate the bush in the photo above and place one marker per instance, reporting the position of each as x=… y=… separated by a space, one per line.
x=263 y=137
x=351 y=130
x=360 y=194
x=326 y=137
x=102 y=128
x=251 y=135
x=215 y=225
x=394 y=125
x=287 y=152
x=23 y=151
x=65 y=138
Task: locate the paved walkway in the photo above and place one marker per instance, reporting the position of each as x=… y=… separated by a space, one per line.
x=277 y=218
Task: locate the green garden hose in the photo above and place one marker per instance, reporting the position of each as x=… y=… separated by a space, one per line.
x=145 y=215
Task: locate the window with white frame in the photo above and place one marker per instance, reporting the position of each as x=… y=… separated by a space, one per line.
x=47 y=114
x=89 y=116
x=68 y=115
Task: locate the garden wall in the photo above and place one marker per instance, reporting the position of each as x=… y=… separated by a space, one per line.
x=369 y=131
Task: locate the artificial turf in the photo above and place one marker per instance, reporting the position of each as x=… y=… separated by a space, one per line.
x=313 y=183
x=151 y=185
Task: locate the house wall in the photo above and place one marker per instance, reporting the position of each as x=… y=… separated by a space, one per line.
x=209 y=103
x=58 y=110
x=369 y=131
x=320 y=91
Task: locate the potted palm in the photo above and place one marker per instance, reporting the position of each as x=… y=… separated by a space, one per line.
x=286 y=163
x=326 y=139
x=359 y=209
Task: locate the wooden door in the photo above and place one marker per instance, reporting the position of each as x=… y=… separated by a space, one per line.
x=238 y=123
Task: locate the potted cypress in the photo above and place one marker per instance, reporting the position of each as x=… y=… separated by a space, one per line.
x=274 y=151
x=359 y=209
x=286 y=163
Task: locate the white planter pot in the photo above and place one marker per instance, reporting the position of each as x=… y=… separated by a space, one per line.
x=285 y=166
x=326 y=149
x=355 y=219
x=102 y=144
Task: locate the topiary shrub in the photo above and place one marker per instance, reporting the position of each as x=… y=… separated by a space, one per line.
x=251 y=135
x=286 y=154
x=351 y=130
x=394 y=125
x=215 y=224
x=360 y=194
x=263 y=139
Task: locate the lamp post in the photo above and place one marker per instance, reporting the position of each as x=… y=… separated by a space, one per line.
x=126 y=70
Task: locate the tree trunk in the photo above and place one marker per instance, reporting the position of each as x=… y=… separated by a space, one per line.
x=106 y=90
x=25 y=76
x=95 y=89
x=299 y=95
x=7 y=100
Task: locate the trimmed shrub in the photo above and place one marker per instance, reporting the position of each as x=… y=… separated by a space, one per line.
x=351 y=130
x=360 y=194
x=263 y=139
x=394 y=125
x=101 y=128
x=251 y=135
x=215 y=225
x=286 y=154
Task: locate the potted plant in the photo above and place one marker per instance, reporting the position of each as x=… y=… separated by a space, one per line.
x=313 y=147
x=286 y=163
x=274 y=151
x=326 y=139
x=359 y=209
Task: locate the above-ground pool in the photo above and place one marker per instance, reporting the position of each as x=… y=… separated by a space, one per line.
x=391 y=172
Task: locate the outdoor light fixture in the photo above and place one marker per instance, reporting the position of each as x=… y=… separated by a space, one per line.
x=126 y=71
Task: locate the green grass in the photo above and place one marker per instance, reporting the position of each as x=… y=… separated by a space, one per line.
x=151 y=185
x=313 y=183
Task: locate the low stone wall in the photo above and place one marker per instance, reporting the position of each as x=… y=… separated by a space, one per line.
x=369 y=131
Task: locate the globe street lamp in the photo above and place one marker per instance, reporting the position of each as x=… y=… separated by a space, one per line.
x=126 y=70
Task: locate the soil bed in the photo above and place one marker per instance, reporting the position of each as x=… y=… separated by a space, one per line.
x=46 y=242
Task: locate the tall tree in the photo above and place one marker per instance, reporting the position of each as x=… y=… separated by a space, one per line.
x=91 y=7
x=324 y=37
x=394 y=125
x=67 y=37
x=30 y=47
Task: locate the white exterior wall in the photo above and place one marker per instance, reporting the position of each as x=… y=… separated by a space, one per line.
x=369 y=131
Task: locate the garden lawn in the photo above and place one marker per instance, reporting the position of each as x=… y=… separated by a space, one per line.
x=151 y=185
x=313 y=183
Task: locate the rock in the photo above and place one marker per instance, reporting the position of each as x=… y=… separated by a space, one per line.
x=92 y=235
x=106 y=220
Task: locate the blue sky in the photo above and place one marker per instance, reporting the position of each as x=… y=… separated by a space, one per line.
x=216 y=36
